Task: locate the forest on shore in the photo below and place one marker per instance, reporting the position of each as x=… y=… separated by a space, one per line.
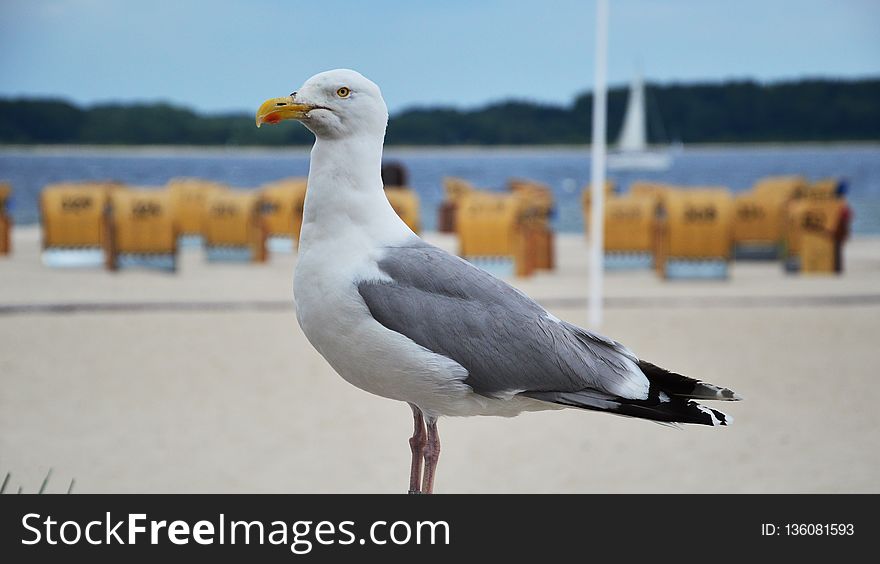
x=727 y=112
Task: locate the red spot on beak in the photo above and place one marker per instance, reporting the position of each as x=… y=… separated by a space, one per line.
x=272 y=118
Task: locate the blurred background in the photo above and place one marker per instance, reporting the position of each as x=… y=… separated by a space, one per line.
x=148 y=236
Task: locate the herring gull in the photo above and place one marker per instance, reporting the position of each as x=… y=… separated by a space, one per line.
x=402 y=319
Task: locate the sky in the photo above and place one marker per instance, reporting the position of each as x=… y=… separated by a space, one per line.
x=229 y=55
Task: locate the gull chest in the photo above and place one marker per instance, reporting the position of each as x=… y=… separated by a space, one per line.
x=339 y=325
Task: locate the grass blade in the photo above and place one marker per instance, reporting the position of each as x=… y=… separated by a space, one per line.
x=45 y=481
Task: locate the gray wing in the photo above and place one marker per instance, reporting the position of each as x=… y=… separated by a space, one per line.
x=506 y=341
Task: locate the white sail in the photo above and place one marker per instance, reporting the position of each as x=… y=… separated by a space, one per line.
x=634 y=134
x=632 y=151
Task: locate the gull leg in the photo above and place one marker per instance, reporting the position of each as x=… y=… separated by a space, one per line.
x=417 y=446
x=432 y=454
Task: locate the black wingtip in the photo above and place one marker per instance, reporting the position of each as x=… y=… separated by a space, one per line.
x=678 y=385
x=658 y=407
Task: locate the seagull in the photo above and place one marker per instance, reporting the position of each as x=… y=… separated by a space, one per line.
x=405 y=320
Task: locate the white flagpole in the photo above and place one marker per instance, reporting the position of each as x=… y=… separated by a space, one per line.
x=597 y=168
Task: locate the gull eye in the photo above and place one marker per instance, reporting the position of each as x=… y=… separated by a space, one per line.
x=343 y=92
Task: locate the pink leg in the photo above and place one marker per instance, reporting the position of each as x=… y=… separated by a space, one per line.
x=432 y=454
x=417 y=446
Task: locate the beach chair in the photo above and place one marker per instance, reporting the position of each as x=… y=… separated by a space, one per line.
x=188 y=197
x=757 y=227
x=73 y=218
x=501 y=233
x=629 y=232
x=233 y=227
x=5 y=220
x=810 y=245
x=142 y=230
x=759 y=217
x=695 y=234
x=281 y=207
x=454 y=189
x=540 y=208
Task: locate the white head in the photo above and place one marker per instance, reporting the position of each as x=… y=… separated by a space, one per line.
x=333 y=104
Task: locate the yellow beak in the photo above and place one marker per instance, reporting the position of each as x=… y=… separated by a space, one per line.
x=275 y=110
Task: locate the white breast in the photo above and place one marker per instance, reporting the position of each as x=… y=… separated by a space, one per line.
x=338 y=323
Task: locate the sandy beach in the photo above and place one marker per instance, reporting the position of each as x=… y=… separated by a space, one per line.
x=203 y=382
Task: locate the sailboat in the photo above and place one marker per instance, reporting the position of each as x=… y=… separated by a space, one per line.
x=632 y=151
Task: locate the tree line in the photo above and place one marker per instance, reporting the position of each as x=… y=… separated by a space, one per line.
x=729 y=112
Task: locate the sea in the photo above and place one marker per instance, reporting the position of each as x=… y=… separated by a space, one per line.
x=565 y=169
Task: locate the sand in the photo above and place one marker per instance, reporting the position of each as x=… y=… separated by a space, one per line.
x=217 y=389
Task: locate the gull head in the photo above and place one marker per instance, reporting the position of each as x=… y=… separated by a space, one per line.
x=333 y=104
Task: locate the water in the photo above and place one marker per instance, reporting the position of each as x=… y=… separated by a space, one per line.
x=566 y=170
